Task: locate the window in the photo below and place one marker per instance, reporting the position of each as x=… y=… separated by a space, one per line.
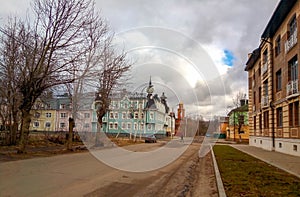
x=47 y=124
x=259 y=70
x=36 y=124
x=278 y=80
x=48 y=115
x=62 y=106
x=142 y=116
x=277 y=45
x=110 y=125
x=151 y=116
x=279 y=117
x=266 y=88
x=296 y=113
x=135 y=126
x=254 y=123
x=136 y=115
x=123 y=115
x=295 y=148
x=62 y=125
x=37 y=115
x=116 y=115
x=254 y=98
x=292 y=26
x=63 y=115
x=293 y=69
x=280 y=145
x=128 y=126
x=265 y=56
x=86 y=115
x=266 y=119
x=126 y=105
x=86 y=125
x=111 y=115
x=260 y=121
x=116 y=125
x=123 y=125
x=291 y=114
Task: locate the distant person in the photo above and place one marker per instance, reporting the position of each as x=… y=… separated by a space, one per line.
x=181 y=136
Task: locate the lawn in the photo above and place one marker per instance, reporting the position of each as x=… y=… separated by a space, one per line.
x=244 y=175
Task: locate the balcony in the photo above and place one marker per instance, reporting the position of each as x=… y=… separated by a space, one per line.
x=292 y=88
x=291 y=41
x=264 y=68
x=265 y=101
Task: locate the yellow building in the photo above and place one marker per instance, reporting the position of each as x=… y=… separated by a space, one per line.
x=238 y=129
x=43 y=117
x=273 y=78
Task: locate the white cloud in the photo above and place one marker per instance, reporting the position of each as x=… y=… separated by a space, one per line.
x=235 y=25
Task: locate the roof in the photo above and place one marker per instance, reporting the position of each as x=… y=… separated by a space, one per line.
x=252 y=59
x=280 y=13
x=243 y=108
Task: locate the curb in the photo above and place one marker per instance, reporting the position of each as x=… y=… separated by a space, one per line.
x=220 y=186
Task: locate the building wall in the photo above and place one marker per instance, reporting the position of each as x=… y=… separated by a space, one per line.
x=266 y=131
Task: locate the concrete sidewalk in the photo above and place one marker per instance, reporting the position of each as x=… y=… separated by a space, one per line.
x=288 y=163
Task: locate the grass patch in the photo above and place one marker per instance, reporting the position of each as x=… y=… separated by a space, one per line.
x=244 y=175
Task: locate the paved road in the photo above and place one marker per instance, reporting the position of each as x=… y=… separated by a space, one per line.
x=81 y=174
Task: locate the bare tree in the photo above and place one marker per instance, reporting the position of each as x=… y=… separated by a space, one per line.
x=237 y=98
x=51 y=49
x=10 y=96
x=111 y=76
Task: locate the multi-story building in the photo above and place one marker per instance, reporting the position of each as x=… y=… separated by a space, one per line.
x=52 y=114
x=138 y=113
x=273 y=74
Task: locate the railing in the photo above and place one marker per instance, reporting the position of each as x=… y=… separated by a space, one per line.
x=265 y=101
x=291 y=41
x=292 y=87
x=264 y=68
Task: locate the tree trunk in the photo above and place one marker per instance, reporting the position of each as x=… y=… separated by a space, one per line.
x=24 y=133
x=13 y=133
x=70 y=134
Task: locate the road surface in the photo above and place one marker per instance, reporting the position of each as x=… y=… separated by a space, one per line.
x=82 y=174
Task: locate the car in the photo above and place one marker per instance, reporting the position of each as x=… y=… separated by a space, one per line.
x=150 y=139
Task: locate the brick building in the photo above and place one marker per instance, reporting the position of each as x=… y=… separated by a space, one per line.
x=273 y=74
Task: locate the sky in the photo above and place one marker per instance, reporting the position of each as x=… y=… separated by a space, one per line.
x=194 y=50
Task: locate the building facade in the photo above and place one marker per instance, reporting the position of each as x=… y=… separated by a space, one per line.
x=273 y=74
x=138 y=114
x=238 y=128
x=52 y=114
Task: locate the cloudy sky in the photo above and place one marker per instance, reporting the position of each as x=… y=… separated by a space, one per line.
x=194 y=50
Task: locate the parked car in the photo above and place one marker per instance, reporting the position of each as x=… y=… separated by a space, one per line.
x=150 y=139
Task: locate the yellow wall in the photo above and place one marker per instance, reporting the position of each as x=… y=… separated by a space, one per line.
x=42 y=120
x=234 y=134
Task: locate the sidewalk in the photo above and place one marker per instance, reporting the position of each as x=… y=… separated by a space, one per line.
x=288 y=163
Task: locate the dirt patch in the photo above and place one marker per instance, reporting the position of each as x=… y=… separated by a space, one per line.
x=40 y=148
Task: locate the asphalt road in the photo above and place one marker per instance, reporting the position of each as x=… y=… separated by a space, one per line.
x=140 y=170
